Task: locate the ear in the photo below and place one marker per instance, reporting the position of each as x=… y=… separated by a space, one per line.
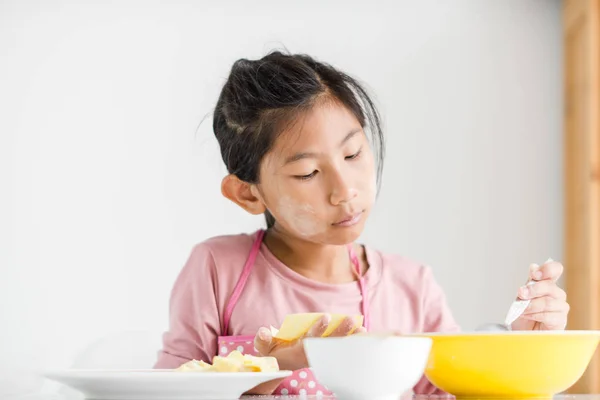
x=243 y=194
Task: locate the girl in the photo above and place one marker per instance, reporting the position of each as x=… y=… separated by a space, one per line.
x=303 y=145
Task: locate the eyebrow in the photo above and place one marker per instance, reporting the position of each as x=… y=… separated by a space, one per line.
x=301 y=156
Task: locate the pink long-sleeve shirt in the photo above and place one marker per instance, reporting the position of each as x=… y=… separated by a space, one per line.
x=403 y=297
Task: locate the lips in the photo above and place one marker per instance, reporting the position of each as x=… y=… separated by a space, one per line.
x=349 y=219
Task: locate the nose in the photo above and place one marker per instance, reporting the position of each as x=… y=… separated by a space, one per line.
x=342 y=191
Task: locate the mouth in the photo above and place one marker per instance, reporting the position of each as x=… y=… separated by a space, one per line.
x=349 y=219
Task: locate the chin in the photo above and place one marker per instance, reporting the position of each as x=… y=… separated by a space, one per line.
x=339 y=236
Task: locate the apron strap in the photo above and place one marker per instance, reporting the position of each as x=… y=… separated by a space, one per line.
x=239 y=287
x=361 y=285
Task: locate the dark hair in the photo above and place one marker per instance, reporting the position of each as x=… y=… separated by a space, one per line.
x=260 y=95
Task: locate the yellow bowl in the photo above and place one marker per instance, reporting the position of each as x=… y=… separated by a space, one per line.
x=516 y=364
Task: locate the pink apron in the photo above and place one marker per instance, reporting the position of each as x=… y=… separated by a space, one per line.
x=301 y=382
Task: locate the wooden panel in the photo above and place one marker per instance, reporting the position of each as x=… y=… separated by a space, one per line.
x=582 y=173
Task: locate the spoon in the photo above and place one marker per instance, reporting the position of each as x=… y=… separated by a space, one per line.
x=514 y=312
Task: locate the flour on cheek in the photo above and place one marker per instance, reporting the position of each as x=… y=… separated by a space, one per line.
x=301 y=217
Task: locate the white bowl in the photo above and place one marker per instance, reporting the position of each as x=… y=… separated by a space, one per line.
x=368 y=366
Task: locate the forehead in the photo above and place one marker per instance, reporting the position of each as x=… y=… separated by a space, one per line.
x=319 y=129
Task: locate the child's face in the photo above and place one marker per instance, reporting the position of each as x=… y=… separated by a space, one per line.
x=319 y=181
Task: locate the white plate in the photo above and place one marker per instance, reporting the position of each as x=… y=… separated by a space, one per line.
x=161 y=384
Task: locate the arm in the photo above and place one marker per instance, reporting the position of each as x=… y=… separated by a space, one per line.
x=437 y=317
x=194 y=323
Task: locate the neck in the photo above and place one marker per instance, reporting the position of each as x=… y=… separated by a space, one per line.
x=321 y=262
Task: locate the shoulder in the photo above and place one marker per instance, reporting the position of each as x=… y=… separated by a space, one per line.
x=221 y=251
x=225 y=245
x=215 y=262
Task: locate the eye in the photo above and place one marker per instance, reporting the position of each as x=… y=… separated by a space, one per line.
x=306 y=177
x=355 y=155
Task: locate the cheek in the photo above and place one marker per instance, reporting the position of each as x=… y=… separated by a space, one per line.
x=368 y=180
x=372 y=189
x=299 y=216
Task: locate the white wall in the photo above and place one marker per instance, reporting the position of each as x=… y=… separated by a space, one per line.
x=106 y=184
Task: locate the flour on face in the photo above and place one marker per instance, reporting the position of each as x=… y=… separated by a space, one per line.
x=301 y=217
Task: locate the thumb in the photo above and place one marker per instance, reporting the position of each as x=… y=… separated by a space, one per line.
x=262 y=341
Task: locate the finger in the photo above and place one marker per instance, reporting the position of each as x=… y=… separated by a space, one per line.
x=552 y=320
x=262 y=341
x=546 y=304
x=541 y=289
x=533 y=272
x=319 y=327
x=551 y=270
x=344 y=327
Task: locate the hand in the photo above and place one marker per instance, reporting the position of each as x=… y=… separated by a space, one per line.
x=290 y=355
x=548 y=308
